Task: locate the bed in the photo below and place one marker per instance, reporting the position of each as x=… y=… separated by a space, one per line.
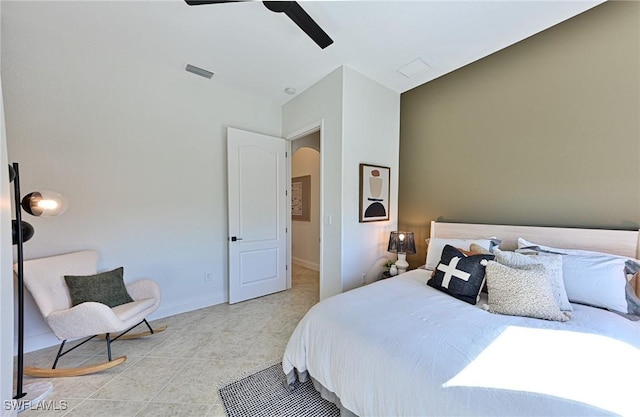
x=399 y=347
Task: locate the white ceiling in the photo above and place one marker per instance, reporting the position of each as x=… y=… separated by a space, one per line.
x=252 y=48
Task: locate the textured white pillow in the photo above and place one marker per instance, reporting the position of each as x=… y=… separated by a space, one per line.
x=594 y=278
x=435 y=246
x=522 y=292
x=552 y=262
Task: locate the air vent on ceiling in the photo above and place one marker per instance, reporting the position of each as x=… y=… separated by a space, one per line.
x=413 y=68
x=199 y=71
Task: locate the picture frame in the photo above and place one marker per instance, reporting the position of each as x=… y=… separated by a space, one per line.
x=374 y=193
x=301 y=198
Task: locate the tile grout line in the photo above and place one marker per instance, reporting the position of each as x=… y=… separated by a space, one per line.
x=259 y=346
x=175 y=375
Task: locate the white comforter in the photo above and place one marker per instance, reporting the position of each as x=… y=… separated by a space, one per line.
x=401 y=348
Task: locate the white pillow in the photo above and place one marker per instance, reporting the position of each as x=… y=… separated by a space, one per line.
x=523 y=291
x=552 y=262
x=435 y=246
x=524 y=244
x=593 y=278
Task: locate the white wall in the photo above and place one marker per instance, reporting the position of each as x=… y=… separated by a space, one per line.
x=305 y=235
x=139 y=151
x=6 y=271
x=361 y=124
x=371 y=133
x=6 y=274
x=323 y=101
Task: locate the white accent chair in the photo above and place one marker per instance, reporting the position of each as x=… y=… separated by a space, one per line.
x=44 y=278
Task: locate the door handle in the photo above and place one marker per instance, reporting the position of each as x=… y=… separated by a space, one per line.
x=233 y=238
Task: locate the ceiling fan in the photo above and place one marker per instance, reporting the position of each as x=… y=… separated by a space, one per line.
x=291 y=9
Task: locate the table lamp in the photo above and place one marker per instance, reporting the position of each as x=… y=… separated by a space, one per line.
x=402 y=243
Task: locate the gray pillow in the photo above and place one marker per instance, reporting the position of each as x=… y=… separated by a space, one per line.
x=106 y=288
x=522 y=292
x=552 y=262
x=593 y=278
x=632 y=299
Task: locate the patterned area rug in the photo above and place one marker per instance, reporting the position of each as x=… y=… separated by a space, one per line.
x=264 y=394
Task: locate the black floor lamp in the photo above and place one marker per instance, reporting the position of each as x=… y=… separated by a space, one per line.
x=44 y=204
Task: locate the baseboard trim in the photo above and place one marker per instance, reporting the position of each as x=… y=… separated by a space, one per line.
x=306 y=264
x=40 y=341
x=172 y=310
x=47 y=339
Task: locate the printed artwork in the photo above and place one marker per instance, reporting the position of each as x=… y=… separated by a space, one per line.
x=300 y=198
x=374 y=193
x=296 y=198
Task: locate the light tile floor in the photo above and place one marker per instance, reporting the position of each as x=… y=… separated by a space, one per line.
x=178 y=372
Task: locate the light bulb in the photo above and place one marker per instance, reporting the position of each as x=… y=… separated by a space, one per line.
x=47 y=204
x=44 y=204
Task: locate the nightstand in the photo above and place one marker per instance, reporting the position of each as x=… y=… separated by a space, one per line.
x=387 y=274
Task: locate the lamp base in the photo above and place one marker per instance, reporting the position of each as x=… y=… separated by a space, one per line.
x=35 y=392
x=402 y=263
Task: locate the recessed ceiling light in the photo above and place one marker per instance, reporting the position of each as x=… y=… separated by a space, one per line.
x=290 y=90
x=413 y=68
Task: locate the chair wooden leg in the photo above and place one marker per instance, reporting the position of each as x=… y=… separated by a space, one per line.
x=67 y=372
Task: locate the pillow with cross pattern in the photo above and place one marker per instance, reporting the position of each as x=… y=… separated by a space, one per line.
x=459 y=275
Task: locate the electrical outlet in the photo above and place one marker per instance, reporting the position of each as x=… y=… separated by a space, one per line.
x=207 y=277
x=364 y=277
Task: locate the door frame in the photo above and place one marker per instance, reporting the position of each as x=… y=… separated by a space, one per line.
x=317 y=126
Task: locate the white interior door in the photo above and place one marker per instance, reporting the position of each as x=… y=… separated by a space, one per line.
x=257 y=179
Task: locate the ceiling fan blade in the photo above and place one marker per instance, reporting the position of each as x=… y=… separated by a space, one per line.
x=302 y=19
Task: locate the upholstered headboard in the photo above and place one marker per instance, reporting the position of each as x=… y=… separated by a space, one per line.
x=617 y=242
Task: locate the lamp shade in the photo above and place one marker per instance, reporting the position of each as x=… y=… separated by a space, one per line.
x=401 y=242
x=44 y=204
x=27 y=231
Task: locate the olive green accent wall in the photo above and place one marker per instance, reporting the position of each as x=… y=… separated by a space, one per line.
x=545 y=132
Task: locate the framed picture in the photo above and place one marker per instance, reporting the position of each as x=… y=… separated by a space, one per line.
x=374 y=193
x=301 y=198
